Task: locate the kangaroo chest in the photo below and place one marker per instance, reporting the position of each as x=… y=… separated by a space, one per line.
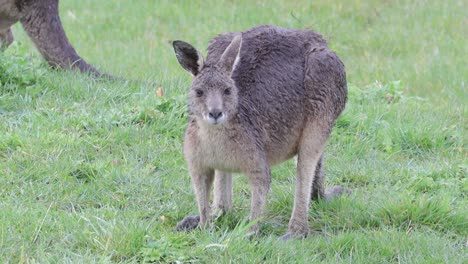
x=227 y=150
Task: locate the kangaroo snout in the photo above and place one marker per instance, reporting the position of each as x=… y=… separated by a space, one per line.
x=214 y=104
x=215 y=116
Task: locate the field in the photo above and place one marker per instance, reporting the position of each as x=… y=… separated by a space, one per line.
x=92 y=171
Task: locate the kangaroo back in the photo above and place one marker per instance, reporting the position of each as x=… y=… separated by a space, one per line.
x=279 y=82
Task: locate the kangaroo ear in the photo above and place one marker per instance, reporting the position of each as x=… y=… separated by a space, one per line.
x=189 y=58
x=230 y=56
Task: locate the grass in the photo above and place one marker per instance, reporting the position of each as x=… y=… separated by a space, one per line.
x=92 y=171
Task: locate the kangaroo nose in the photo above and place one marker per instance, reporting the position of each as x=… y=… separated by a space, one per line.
x=215 y=114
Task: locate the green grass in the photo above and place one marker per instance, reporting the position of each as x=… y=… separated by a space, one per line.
x=92 y=171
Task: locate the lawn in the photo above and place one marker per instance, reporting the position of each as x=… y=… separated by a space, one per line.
x=92 y=171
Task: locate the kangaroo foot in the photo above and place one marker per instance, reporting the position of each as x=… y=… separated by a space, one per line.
x=336 y=191
x=189 y=222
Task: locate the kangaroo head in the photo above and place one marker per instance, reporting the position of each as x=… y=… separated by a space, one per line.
x=213 y=96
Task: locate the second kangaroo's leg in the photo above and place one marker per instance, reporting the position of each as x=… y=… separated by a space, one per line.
x=6 y=38
x=310 y=151
x=43 y=25
x=202 y=179
x=222 y=196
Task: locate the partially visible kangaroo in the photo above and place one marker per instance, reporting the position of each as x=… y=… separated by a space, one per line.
x=261 y=97
x=41 y=21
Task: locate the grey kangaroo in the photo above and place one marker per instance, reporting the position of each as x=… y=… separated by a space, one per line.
x=40 y=19
x=261 y=97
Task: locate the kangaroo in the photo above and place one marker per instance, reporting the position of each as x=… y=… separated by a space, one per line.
x=261 y=97
x=41 y=21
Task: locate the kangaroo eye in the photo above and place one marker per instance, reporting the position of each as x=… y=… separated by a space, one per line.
x=227 y=91
x=199 y=93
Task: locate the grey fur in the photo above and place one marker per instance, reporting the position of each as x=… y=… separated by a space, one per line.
x=256 y=101
x=41 y=21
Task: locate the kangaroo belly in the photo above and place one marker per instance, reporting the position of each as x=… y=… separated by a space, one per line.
x=223 y=158
x=279 y=148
